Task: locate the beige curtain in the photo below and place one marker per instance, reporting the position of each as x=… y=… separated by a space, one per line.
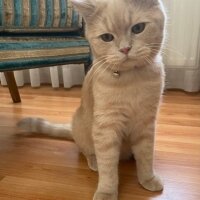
x=182 y=49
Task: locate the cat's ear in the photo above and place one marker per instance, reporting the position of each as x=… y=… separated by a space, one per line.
x=85 y=7
x=150 y=2
x=157 y=2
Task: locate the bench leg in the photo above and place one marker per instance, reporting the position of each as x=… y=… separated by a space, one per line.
x=12 y=87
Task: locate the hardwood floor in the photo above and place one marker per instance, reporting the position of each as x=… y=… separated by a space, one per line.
x=47 y=169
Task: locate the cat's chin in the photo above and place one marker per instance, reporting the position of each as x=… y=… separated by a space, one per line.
x=127 y=65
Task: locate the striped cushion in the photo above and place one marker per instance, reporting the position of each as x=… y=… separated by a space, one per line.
x=38 y=15
x=21 y=52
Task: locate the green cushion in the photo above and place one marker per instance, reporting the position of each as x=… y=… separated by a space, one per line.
x=22 y=52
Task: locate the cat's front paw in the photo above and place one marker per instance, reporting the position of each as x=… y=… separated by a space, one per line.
x=105 y=196
x=154 y=184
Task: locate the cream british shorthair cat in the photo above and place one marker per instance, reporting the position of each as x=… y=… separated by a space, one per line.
x=121 y=92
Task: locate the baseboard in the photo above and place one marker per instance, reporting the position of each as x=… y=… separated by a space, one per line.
x=187 y=79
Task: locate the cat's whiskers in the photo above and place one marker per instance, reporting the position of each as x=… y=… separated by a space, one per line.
x=142 y=56
x=161 y=51
x=99 y=71
x=164 y=48
x=148 y=59
x=102 y=71
x=155 y=51
x=145 y=53
x=99 y=64
x=110 y=65
x=140 y=50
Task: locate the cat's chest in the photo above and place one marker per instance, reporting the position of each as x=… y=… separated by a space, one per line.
x=126 y=95
x=126 y=105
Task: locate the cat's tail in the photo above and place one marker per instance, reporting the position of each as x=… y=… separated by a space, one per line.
x=31 y=126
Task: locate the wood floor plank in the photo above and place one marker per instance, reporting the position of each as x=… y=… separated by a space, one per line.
x=35 y=189
x=48 y=169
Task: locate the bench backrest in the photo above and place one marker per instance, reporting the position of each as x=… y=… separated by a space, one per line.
x=38 y=16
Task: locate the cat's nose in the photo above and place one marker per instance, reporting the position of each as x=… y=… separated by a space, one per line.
x=125 y=50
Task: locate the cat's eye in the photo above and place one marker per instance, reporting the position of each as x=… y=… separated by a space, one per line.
x=107 y=37
x=138 y=28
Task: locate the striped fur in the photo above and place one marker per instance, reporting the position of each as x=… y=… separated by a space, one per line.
x=121 y=92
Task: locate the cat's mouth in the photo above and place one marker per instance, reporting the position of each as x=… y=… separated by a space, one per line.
x=123 y=64
x=126 y=58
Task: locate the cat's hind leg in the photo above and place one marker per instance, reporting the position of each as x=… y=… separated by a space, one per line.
x=83 y=138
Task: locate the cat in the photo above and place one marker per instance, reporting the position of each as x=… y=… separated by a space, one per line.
x=121 y=92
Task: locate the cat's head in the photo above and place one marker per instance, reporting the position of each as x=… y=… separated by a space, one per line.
x=123 y=33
